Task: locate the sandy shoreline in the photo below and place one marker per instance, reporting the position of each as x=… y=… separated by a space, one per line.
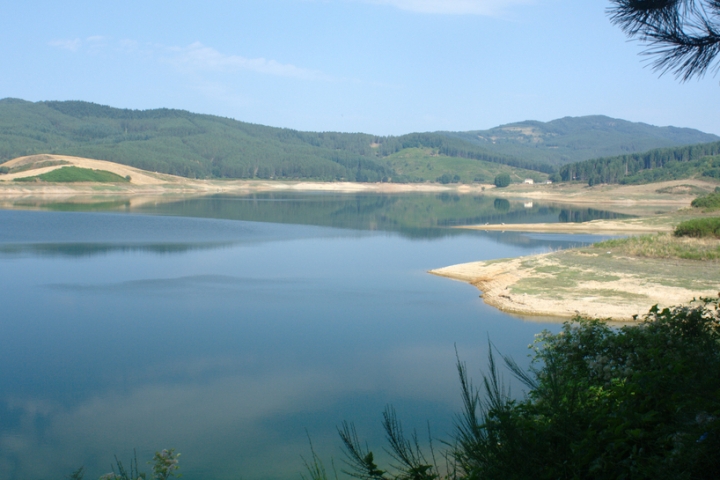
x=586 y=282
x=558 y=285
x=608 y=227
x=142 y=182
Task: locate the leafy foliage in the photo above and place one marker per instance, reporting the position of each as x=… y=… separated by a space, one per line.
x=709 y=202
x=502 y=180
x=411 y=461
x=634 y=402
x=699 y=228
x=639 y=402
x=445 y=178
x=165 y=464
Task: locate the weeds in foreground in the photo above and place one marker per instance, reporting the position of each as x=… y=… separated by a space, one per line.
x=164 y=467
x=636 y=402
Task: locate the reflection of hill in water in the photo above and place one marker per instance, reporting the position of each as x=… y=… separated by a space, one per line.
x=91 y=249
x=73 y=234
x=418 y=216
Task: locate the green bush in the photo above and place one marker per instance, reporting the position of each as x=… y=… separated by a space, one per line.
x=502 y=180
x=699 y=228
x=638 y=402
x=711 y=201
x=4 y=170
x=635 y=402
x=446 y=178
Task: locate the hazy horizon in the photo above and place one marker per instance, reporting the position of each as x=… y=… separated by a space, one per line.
x=385 y=67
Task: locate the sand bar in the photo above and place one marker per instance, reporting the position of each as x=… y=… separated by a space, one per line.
x=587 y=282
x=600 y=227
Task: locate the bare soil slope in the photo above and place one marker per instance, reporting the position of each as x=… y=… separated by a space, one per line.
x=39 y=164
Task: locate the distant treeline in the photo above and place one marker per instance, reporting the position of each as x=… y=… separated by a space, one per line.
x=205 y=146
x=656 y=165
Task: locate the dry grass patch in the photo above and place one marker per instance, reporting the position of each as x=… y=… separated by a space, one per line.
x=663 y=245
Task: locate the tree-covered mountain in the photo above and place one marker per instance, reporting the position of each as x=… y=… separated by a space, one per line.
x=574 y=139
x=203 y=146
x=657 y=165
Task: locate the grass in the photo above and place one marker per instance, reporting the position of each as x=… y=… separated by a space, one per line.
x=684 y=189
x=660 y=259
x=663 y=245
x=76 y=174
x=424 y=164
x=560 y=276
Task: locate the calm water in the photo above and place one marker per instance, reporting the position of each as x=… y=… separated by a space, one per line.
x=231 y=328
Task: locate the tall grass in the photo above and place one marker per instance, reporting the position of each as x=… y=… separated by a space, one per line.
x=664 y=245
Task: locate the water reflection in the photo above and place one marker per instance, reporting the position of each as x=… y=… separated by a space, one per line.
x=89 y=249
x=412 y=215
x=228 y=339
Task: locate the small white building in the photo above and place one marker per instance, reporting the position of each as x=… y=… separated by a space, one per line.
x=529 y=181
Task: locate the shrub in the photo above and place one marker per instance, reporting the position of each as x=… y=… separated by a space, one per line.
x=502 y=180
x=4 y=170
x=699 y=228
x=711 y=201
x=446 y=178
x=637 y=402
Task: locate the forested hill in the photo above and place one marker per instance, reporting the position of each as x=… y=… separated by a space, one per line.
x=573 y=139
x=654 y=166
x=203 y=146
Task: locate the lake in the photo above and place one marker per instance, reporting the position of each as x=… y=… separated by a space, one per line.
x=232 y=328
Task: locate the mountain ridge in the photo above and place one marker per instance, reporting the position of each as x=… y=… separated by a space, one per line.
x=195 y=145
x=573 y=139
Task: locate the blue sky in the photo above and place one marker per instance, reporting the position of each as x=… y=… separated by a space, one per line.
x=376 y=66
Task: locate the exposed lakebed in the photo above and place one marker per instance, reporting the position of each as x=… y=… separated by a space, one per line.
x=227 y=327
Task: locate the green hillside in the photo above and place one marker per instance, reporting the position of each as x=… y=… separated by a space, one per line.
x=205 y=146
x=654 y=166
x=574 y=139
x=74 y=175
x=426 y=164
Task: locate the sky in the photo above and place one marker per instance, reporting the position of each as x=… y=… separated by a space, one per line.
x=385 y=67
